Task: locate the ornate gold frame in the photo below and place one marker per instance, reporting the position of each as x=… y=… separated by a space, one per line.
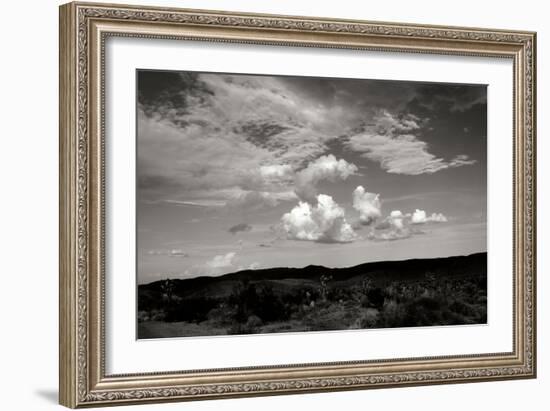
x=83 y=30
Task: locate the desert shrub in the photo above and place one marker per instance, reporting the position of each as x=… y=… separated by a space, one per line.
x=460 y=307
x=369 y=319
x=270 y=307
x=340 y=294
x=428 y=303
x=280 y=328
x=390 y=290
x=406 y=292
x=326 y=318
x=481 y=314
x=469 y=292
x=349 y=314
x=143 y=316
x=481 y=283
x=240 y=328
x=220 y=315
x=254 y=322
x=157 y=315
x=482 y=299
x=422 y=311
x=262 y=303
x=190 y=309
x=293 y=297
x=391 y=315
x=375 y=297
x=149 y=300
x=245 y=298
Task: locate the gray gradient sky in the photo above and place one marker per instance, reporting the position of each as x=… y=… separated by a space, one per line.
x=244 y=171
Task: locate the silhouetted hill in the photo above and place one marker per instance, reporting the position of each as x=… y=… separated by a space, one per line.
x=378 y=272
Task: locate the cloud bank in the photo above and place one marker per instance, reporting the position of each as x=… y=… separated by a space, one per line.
x=216 y=140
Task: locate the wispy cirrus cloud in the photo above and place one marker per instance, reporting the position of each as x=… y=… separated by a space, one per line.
x=230 y=139
x=391 y=141
x=197 y=203
x=174 y=252
x=394 y=227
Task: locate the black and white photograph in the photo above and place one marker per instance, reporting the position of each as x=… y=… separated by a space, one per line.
x=274 y=204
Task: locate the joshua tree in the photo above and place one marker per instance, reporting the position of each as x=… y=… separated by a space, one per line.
x=430 y=284
x=366 y=285
x=324 y=286
x=430 y=277
x=167 y=289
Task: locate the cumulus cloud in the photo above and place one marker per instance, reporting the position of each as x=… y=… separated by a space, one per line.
x=438 y=218
x=254 y=266
x=396 y=218
x=420 y=217
x=241 y=227
x=383 y=225
x=323 y=168
x=221 y=261
x=324 y=222
x=391 y=142
x=368 y=205
x=393 y=227
x=398 y=225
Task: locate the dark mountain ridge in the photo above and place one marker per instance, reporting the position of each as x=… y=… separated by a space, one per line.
x=403 y=270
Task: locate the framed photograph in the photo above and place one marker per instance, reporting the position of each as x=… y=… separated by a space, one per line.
x=259 y=204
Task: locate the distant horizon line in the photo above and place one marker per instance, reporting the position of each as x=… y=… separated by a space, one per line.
x=311 y=265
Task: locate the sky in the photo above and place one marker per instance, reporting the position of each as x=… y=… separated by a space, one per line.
x=240 y=171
